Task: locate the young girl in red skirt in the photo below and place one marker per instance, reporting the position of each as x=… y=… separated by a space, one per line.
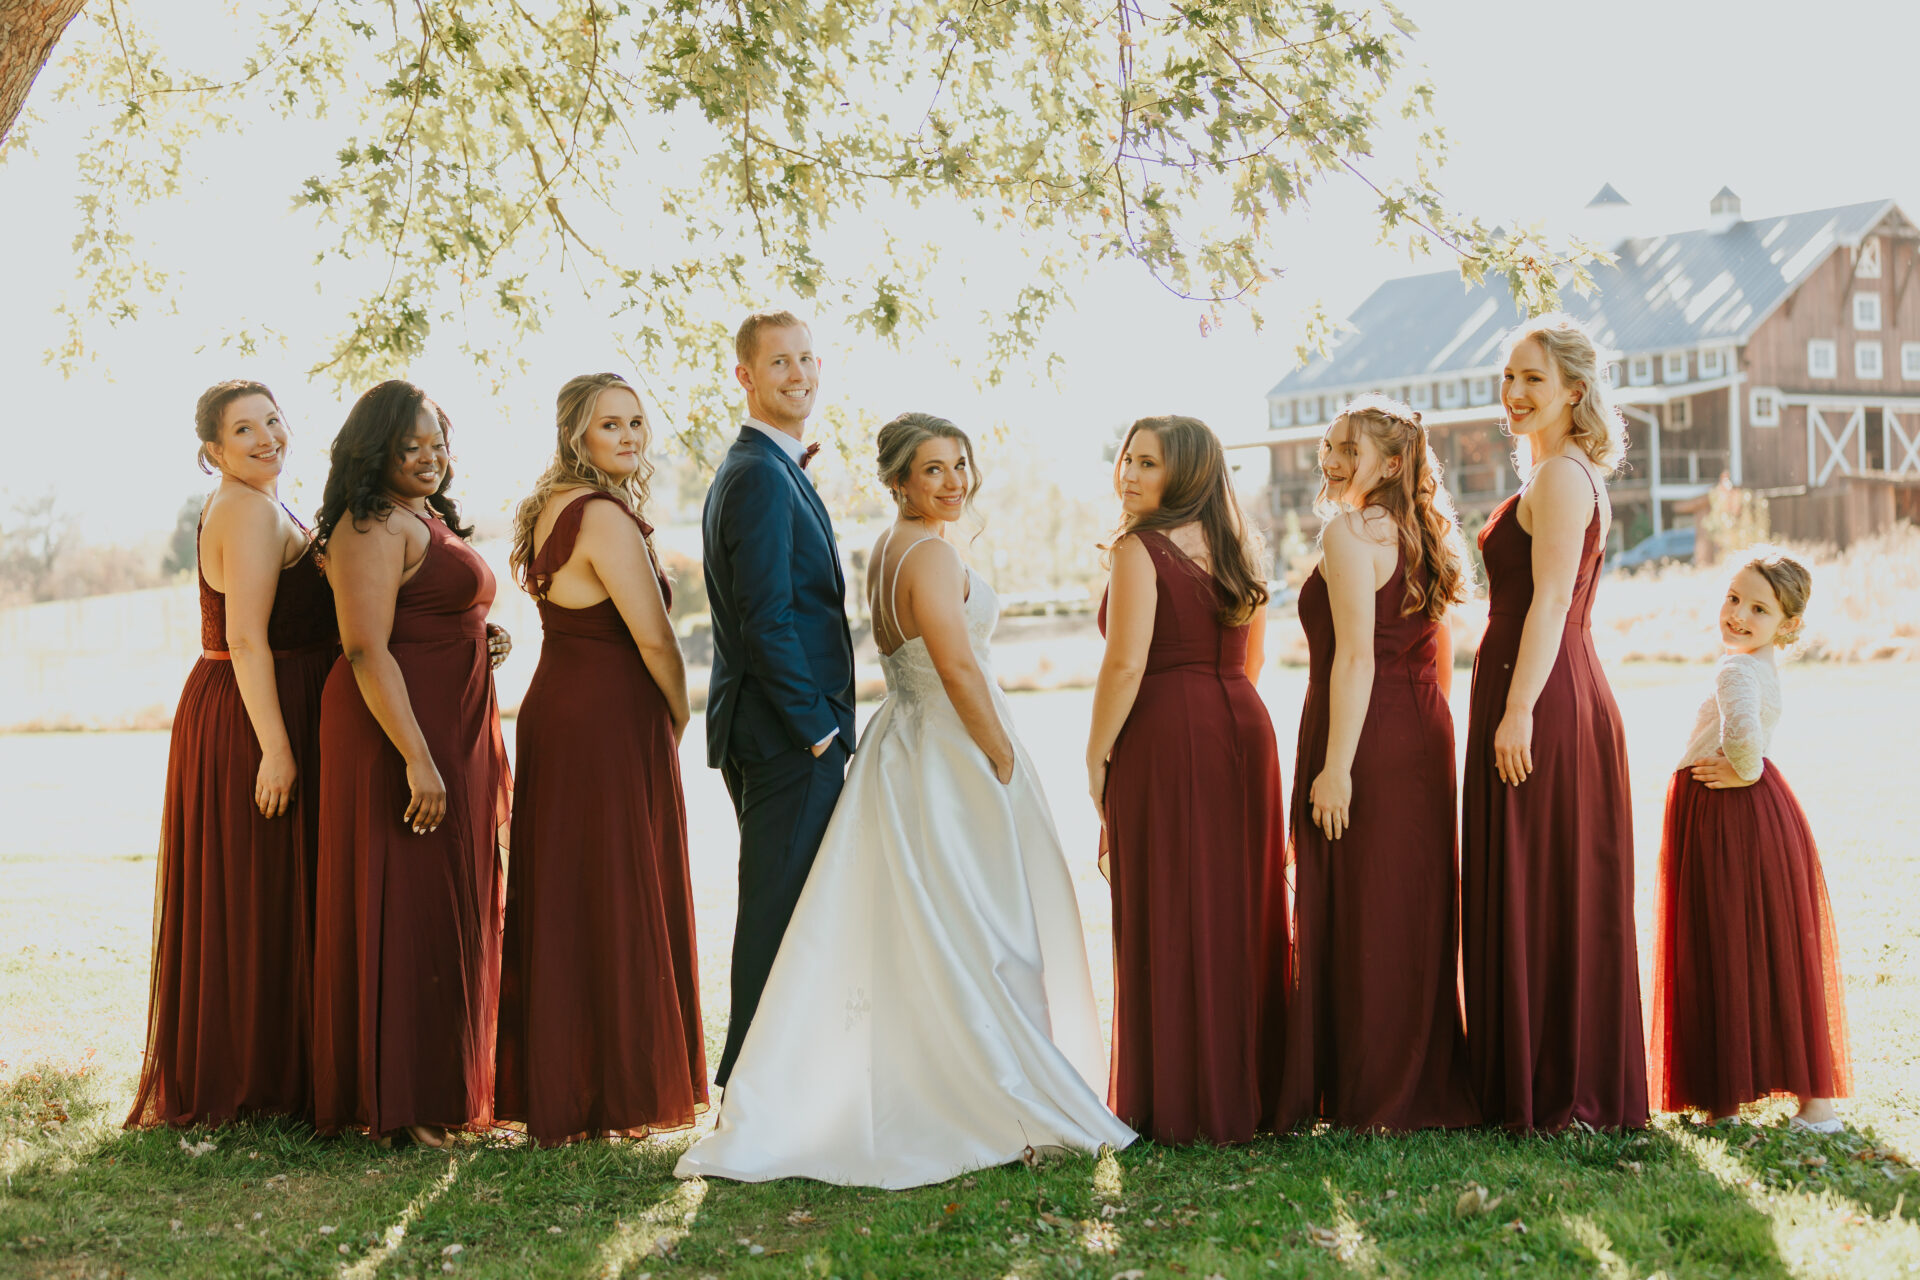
x=1747 y=997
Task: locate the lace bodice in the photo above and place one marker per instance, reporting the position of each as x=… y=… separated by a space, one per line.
x=1739 y=718
x=909 y=668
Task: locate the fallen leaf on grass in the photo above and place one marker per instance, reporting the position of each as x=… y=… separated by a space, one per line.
x=1324 y=1237
x=1518 y=1227
x=1135 y=1274
x=326 y=1231
x=1815 y=1162
x=197 y=1149
x=173 y=1224
x=1631 y=1166
x=799 y=1218
x=1474 y=1200
x=1750 y=1143
x=1054 y=1220
x=453 y=1250
x=553 y=1231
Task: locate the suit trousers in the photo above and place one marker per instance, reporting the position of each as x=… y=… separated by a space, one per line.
x=783 y=805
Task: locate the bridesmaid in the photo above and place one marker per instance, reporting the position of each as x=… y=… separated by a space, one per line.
x=1182 y=763
x=414 y=790
x=1552 y=976
x=600 y=991
x=1373 y=1026
x=227 y=1022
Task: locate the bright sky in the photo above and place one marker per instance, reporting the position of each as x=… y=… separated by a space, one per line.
x=1794 y=107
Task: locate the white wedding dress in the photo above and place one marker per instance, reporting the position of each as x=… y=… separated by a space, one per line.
x=930 y=1011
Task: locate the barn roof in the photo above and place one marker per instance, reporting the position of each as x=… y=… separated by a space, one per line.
x=1663 y=293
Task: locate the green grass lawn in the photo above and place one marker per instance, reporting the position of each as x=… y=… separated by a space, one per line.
x=83 y=1198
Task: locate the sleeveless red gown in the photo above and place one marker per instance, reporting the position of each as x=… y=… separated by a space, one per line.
x=1374 y=1039
x=1196 y=831
x=600 y=988
x=231 y=996
x=1551 y=966
x=407 y=963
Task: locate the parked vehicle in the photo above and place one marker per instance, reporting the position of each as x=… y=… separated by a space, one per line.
x=1669 y=544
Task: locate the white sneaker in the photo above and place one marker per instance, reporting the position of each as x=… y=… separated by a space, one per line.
x=1834 y=1125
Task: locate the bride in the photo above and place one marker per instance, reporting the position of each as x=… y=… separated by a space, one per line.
x=930 y=1011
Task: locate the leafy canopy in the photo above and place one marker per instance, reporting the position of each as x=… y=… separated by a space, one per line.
x=690 y=159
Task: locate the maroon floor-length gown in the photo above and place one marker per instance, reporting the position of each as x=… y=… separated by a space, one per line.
x=1747 y=997
x=1551 y=967
x=407 y=957
x=1374 y=1039
x=231 y=997
x=600 y=987
x=1196 y=830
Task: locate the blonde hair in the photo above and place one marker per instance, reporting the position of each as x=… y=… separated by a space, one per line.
x=1438 y=573
x=1598 y=429
x=746 y=340
x=574 y=412
x=1792 y=585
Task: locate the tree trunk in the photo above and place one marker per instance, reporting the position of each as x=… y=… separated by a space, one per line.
x=28 y=31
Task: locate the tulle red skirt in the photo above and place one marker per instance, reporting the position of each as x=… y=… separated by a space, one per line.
x=232 y=984
x=1747 y=999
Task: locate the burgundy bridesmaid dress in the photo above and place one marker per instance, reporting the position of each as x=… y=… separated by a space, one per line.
x=407 y=958
x=600 y=989
x=231 y=998
x=1552 y=973
x=1196 y=831
x=1374 y=1039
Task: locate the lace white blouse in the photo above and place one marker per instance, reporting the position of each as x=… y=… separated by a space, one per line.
x=1739 y=718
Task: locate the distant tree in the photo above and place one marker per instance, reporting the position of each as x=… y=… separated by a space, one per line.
x=31 y=542
x=183 y=548
x=687 y=158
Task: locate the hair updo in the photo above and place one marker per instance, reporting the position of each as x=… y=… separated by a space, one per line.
x=900 y=440
x=1791 y=582
x=1598 y=429
x=210 y=411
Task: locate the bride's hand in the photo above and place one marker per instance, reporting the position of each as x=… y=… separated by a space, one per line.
x=1003 y=769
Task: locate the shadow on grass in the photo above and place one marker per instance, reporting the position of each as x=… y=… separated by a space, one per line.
x=271 y=1199
x=1852 y=1164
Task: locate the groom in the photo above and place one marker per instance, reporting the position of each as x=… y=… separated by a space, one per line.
x=780 y=700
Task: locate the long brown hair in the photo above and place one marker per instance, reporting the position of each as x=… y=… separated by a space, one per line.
x=1416 y=500
x=574 y=413
x=1198 y=489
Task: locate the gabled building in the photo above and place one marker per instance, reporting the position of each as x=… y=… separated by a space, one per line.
x=1781 y=352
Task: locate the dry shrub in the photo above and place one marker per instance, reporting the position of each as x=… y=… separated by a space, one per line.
x=1866 y=605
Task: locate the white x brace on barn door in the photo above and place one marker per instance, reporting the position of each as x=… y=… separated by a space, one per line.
x=1827 y=452
x=1907 y=456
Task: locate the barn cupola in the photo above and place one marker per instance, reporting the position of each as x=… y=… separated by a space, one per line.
x=1724 y=212
x=1607 y=220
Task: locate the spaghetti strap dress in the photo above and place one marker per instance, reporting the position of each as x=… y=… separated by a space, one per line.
x=231 y=988
x=1374 y=1038
x=407 y=957
x=600 y=987
x=1196 y=830
x=1550 y=959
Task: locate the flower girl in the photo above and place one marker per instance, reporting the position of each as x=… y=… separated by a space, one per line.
x=1747 y=999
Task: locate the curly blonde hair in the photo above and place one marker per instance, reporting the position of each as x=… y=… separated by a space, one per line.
x=574 y=411
x=1597 y=428
x=1431 y=546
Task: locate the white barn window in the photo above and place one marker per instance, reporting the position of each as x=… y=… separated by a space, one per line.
x=1869 y=268
x=1823 y=360
x=1713 y=362
x=1480 y=391
x=1640 y=371
x=1866 y=311
x=1867 y=363
x=1673 y=367
x=1422 y=397
x=1680 y=415
x=1280 y=414
x=1910 y=361
x=1452 y=394
x=1763 y=407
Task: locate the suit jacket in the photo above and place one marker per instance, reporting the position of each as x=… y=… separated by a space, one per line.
x=782 y=653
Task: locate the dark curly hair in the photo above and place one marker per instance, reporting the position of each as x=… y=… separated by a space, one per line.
x=368 y=442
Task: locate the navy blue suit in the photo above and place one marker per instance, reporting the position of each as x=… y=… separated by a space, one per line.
x=782 y=680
